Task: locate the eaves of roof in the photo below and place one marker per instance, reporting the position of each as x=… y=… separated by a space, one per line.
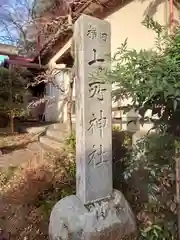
x=96 y=8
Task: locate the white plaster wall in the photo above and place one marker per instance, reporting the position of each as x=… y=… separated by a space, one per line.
x=55 y=108
x=127 y=23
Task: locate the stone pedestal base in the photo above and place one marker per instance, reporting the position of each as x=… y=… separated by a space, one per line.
x=108 y=219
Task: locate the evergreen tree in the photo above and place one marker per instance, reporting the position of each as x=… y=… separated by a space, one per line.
x=12 y=88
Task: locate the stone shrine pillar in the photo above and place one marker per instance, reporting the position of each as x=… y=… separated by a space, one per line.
x=93 y=110
x=96 y=212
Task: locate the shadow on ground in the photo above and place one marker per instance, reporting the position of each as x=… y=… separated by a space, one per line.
x=10 y=149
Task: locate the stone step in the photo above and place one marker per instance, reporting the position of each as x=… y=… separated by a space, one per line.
x=61 y=127
x=57 y=135
x=49 y=143
x=58 y=126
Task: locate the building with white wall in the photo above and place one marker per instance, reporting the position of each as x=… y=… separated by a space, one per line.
x=126 y=22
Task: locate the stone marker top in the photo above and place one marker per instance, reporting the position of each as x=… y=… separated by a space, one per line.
x=93 y=110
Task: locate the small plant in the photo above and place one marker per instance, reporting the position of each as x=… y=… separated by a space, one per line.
x=72 y=170
x=5 y=176
x=46 y=207
x=116 y=128
x=66 y=192
x=155 y=232
x=62 y=184
x=47 y=202
x=127 y=140
x=71 y=142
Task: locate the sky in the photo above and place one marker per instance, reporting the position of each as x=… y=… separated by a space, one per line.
x=19 y=11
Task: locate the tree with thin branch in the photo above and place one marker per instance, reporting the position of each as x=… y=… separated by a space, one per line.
x=14 y=18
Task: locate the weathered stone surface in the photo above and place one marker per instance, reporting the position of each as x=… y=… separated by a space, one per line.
x=108 y=219
x=93 y=110
x=96 y=212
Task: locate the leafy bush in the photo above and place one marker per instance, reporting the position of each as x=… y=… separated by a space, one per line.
x=150 y=78
x=12 y=89
x=150 y=176
x=71 y=142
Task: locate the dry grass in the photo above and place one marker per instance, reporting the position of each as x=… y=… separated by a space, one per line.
x=27 y=198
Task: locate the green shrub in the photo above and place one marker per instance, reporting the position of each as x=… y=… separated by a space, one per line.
x=155 y=232
x=71 y=142
x=149 y=172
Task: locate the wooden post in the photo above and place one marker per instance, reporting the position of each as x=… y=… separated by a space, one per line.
x=70 y=102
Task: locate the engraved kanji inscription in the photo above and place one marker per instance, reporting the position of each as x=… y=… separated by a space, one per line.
x=97 y=89
x=99 y=123
x=92 y=32
x=95 y=59
x=93 y=110
x=104 y=36
x=97 y=156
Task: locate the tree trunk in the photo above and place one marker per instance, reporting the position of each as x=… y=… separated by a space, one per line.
x=69 y=104
x=12 y=122
x=10 y=101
